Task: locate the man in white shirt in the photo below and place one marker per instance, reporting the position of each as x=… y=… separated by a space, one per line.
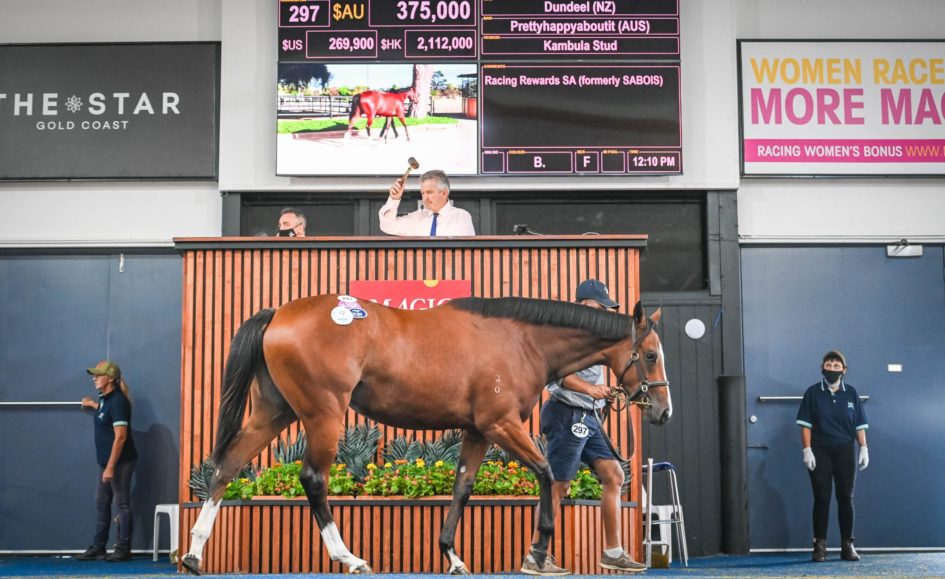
x=437 y=218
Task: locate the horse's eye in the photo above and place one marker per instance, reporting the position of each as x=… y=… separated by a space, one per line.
x=651 y=357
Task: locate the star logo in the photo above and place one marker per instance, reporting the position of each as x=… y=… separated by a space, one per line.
x=73 y=104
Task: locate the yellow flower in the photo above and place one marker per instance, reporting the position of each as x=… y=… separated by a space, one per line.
x=513 y=464
x=371 y=466
x=438 y=463
x=400 y=461
x=420 y=462
x=388 y=465
x=342 y=465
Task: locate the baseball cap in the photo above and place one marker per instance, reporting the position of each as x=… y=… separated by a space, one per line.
x=105 y=368
x=591 y=289
x=835 y=355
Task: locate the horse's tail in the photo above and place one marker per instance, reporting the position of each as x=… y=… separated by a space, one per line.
x=355 y=106
x=245 y=357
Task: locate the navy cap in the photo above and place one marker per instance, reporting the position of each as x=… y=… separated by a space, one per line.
x=591 y=289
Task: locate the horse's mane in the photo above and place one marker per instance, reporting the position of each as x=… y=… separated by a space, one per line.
x=549 y=312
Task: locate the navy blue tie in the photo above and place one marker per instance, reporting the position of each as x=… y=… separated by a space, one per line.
x=433 y=225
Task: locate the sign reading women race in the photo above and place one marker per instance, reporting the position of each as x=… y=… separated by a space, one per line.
x=843 y=108
x=475 y=87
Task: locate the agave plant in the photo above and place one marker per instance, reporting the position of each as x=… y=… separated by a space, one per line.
x=202 y=474
x=402 y=449
x=497 y=454
x=287 y=453
x=357 y=448
x=445 y=448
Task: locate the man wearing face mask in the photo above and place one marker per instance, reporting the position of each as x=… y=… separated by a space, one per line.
x=831 y=416
x=291 y=223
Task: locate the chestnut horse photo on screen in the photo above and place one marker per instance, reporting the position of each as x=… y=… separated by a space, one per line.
x=376 y=103
x=475 y=364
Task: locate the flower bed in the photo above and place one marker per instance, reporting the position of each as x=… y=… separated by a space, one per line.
x=408 y=479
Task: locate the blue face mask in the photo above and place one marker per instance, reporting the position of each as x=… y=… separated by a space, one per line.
x=831 y=376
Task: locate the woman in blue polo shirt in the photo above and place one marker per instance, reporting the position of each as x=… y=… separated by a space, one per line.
x=831 y=416
x=116 y=456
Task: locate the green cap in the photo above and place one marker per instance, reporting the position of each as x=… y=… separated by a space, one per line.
x=105 y=368
x=835 y=355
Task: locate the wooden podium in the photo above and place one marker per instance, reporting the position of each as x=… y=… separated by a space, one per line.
x=226 y=280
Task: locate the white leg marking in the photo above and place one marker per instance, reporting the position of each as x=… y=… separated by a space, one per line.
x=455 y=562
x=201 y=531
x=337 y=549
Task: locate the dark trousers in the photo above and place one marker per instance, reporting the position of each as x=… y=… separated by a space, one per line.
x=119 y=489
x=836 y=466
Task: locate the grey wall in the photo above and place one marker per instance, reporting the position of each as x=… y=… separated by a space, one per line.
x=800 y=302
x=59 y=315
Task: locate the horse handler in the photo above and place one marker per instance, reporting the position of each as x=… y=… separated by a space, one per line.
x=573 y=431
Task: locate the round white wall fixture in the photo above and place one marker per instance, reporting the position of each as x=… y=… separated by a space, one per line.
x=695 y=329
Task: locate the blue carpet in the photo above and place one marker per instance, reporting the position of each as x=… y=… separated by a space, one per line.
x=761 y=565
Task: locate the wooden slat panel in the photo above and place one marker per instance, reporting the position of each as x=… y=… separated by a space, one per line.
x=222 y=288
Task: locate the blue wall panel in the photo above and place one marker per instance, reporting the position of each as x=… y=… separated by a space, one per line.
x=59 y=315
x=800 y=302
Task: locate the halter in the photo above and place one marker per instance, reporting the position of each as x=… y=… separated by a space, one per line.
x=620 y=393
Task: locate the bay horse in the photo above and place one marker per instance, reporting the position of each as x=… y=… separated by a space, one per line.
x=475 y=364
x=376 y=103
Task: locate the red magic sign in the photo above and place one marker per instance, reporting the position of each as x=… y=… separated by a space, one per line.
x=410 y=295
x=109 y=111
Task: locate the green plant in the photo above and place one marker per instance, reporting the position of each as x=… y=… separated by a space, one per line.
x=357 y=448
x=402 y=449
x=410 y=478
x=280 y=479
x=201 y=476
x=497 y=454
x=498 y=478
x=342 y=482
x=286 y=453
x=585 y=485
x=445 y=448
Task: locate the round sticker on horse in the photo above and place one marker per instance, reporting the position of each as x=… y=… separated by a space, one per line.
x=294 y=363
x=341 y=316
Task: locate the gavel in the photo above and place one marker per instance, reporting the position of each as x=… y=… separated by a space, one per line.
x=412 y=164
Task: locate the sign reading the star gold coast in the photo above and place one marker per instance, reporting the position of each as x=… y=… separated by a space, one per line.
x=100 y=111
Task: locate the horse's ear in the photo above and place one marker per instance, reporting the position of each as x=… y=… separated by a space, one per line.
x=656 y=315
x=639 y=316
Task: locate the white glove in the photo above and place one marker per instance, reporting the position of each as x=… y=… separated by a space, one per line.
x=809 y=461
x=864 y=458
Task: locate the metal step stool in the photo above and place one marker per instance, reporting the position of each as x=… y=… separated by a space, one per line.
x=171 y=510
x=671 y=514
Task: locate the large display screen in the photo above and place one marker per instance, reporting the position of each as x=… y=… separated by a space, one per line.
x=479 y=87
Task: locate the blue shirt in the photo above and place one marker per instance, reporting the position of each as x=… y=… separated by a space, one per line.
x=114 y=409
x=833 y=417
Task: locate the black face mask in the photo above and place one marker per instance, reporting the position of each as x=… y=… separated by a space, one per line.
x=286 y=232
x=831 y=376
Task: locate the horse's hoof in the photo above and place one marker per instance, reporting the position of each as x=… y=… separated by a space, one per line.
x=461 y=570
x=362 y=569
x=192 y=564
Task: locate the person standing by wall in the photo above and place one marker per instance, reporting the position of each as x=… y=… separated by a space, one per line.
x=831 y=417
x=116 y=456
x=569 y=421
